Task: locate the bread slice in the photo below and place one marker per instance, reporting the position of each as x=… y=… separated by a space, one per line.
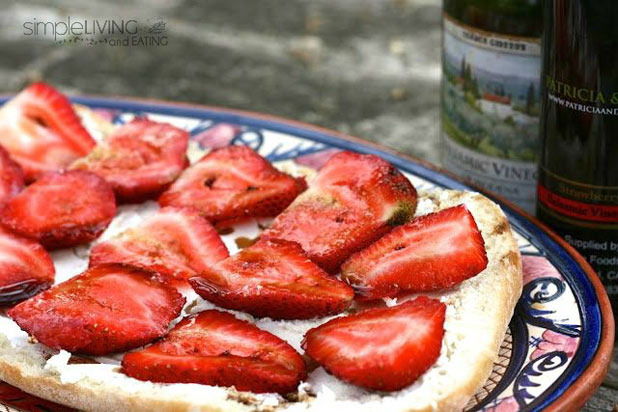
x=478 y=313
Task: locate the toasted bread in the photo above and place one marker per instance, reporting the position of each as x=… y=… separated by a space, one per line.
x=479 y=310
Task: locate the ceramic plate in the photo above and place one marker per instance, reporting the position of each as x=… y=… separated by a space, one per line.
x=559 y=341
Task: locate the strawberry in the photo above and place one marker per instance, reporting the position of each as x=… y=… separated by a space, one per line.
x=139 y=159
x=11 y=176
x=106 y=309
x=233 y=182
x=435 y=251
x=273 y=278
x=382 y=349
x=353 y=201
x=215 y=348
x=41 y=131
x=177 y=243
x=61 y=209
x=25 y=268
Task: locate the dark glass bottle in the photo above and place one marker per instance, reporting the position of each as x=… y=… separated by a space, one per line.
x=520 y=18
x=491 y=94
x=578 y=170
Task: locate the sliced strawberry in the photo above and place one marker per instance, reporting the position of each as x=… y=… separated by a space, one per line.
x=435 y=251
x=25 y=268
x=139 y=159
x=61 y=209
x=273 y=278
x=215 y=348
x=353 y=201
x=41 y=131
x=175 y=242
x=383 y=349
x=233 y=182
x=110 y=308
x=11 y=176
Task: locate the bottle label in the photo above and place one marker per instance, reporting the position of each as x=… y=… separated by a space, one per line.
x=585 y=214
x=490 y=109
x=577 y=201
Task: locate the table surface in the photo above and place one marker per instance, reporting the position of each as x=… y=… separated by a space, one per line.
x=370 y=68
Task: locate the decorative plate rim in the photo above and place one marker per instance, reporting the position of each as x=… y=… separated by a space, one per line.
x=566 y=394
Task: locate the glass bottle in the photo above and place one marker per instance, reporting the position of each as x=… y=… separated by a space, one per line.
x=491 y=94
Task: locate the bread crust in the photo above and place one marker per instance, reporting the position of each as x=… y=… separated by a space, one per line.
x=499 y=285
x=496 y=229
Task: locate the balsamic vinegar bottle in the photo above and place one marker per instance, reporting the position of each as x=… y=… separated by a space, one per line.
x=491 y=64
x=578 y=170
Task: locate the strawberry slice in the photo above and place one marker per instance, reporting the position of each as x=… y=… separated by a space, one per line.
x=353 y=201
x=175 y=242
x=61 y=209
x=41 y=131
x=382 y=349
x=233 y=182
x=139 y=159
x=110 y=308
x=25 y=268
x=433 y=252
x=273 y=278
x=11 y=176
x=215 y=348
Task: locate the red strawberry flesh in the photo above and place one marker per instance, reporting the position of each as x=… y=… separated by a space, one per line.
x=233 y=182
x=215 y=348
x=353 y=201
x=382 y=349
x=107 y=309
x=41 y=131
x=25 y=268
x=433 y=252
x=176 y=243
x=61 y=209
x=11 y=176
x=273 y=278
x=139 y=159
